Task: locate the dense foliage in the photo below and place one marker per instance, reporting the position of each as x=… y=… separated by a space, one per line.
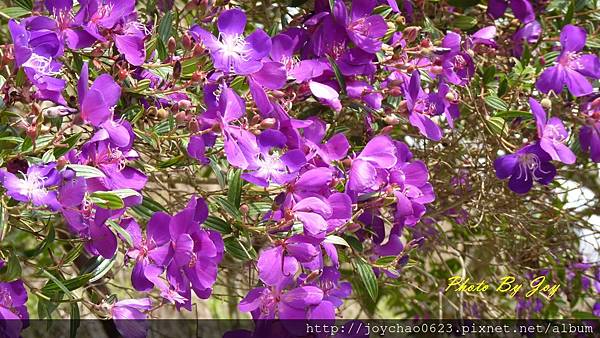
x=297 y=160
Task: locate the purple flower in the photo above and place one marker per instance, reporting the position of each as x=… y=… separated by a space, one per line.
x=34 y=186
x=13 y=311
x=130 y=317
x=270 y=165
x=364 y=29
x=278 y=265
x=530 y=33
x=412 y=189
x=572 y=67
x=589 y=134
x=422 y=107
x=552 y=134
x=379 y=153
x=326 y=95
x=196 y=254
x=116 y=18
x=36 y=44
x=458 y=67
x=96 y=102
x=72 y=32
x=596 y=309
x=240 y=145
x=522 y=9
x=484 y=36
x=151 y=252
x=271 y=303
x=523 y=167
x=87 y=220
x=231 y=51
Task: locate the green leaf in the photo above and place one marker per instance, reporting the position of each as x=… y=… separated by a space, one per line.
x=71 y=141
x=228 y=207
x=569 y=16
x=44 y=244
x=58 y=284
x=86 y=171
x=214 y=164
x=112 y=199
x=514 y=114
x=463 y=3
x=3 y=221
x=25 y=4
x=106 y=200
x=497 y=124
x=101 y=266
x=147 y=208
x=338 y=74
x=165 y=27
x=464 y=22
x=496 y=103
x=234 y=194
x=75 y=320
x=218 y=224
x=238 y=250
x=365 y=271
x=14 y=12
x=354 y=243
x=73 y=254
x=119 y=229
x=12 y=269
x=336 y=240
x=385 y=260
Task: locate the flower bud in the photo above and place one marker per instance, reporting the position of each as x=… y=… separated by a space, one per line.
x=122 y=75
x=162 y=113
x=546 y=103
x=268 y=123
x=450 y=96
x=171 y=45
x=184 y=104
x=396 y=91
x=197 y=76
x=32 y=132
x=198 y=50
x=181 y=117
x=391 y=120
x=386 y=130
x=425 y=43
x=403 y=107
x=244 y=209
x=176 y=70
x=411 y=33
x=437 y=70
x=61 y=162
x=193 y=125
x=187 y=42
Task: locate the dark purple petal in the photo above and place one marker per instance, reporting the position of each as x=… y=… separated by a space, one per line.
x=572 y=38
x=301 y=297
x=232 y=22
x=553 y=79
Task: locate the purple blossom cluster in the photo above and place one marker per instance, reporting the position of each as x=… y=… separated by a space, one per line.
x=325 y=190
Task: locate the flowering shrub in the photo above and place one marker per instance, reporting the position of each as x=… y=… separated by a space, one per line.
x=307 y=161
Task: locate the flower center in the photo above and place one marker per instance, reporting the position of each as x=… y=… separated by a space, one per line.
x=41 y=64
x=234 y=45
x=552 y=132
x=571 y=60
x=460 y=62
x=530 y=164
x=269 y=164
x=32 y=185
x=103 y=11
